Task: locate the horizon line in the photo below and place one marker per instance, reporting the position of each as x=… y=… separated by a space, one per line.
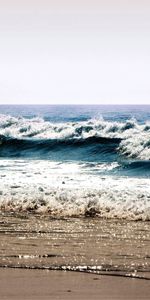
x=76 y=104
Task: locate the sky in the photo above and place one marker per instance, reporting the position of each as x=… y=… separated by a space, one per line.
x=74 y=52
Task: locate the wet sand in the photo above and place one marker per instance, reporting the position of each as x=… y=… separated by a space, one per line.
x=113 y=246
x=41 y=242
x=38 y=284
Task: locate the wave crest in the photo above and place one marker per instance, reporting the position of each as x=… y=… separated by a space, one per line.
x=133 y=139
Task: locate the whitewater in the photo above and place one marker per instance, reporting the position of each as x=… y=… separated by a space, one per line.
x=76 y=161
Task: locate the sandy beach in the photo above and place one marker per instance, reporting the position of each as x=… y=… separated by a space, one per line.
x=36 y=242
x=37 y=284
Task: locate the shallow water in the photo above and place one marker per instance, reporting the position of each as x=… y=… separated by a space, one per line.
x=101 y=245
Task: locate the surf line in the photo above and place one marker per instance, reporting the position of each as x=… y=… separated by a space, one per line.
x=84 y=269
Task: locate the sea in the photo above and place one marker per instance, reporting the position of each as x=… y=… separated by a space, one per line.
x=75 y=188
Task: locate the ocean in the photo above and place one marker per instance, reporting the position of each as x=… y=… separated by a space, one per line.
x=72 y=177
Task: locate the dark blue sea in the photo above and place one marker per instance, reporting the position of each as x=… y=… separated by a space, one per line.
x=96 y=134
x=102 y=151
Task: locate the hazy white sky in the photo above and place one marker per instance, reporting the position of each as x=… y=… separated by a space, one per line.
x=71 y=51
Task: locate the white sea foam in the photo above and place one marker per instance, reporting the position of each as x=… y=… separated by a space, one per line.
x=68 y=190
x=135 y=137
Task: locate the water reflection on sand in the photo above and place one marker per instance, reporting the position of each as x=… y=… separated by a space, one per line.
x=106 y=245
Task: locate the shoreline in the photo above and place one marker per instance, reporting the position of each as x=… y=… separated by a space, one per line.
x=22 y=284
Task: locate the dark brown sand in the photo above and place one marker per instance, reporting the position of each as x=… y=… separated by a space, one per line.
x=16 y=284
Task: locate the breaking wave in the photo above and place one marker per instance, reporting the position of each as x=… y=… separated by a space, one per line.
x=129 y=139
x=104 y=203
